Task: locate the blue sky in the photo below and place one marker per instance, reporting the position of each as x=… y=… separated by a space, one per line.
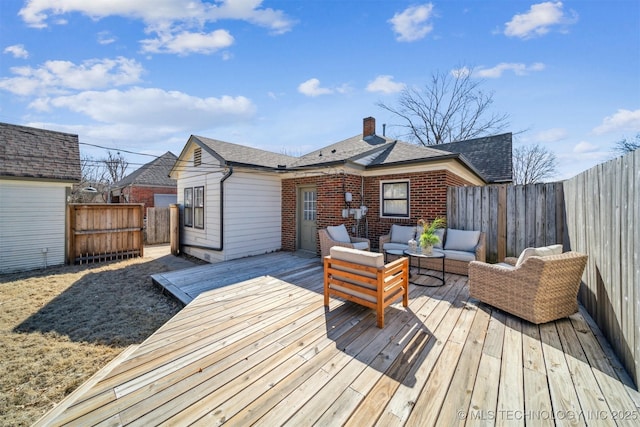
x=292 y=76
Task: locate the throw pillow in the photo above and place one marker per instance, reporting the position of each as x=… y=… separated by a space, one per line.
x=339 y=233
x=549 y=250
x=524 y=255
x=402 y=233
x=440 y=234
x=461 y=240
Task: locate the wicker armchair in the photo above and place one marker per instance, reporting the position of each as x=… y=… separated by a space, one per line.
x=326 y=243
x=540 y=290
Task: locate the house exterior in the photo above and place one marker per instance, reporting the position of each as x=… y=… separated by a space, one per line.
x=37 y=171
x=150 y=184
x=367 y=182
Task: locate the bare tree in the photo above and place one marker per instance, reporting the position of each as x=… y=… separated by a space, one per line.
x=532 y=164
x=91 y=182
x=450 y=108
x=115 y=167
x=625 y=146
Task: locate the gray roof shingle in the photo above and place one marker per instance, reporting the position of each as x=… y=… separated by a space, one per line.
x=27 y=152
x=154 y=173
x=491 y=155
x=243 y=155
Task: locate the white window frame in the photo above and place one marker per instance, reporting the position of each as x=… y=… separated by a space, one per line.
x=188 y=207
x=383 y=214
x=198 y=207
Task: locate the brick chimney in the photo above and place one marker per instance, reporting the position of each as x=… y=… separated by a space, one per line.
x=368 y=127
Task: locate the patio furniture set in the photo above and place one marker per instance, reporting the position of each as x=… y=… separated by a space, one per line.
x=540 y=286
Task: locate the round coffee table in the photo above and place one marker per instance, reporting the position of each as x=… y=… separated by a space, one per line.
x=422 y=256
x=394 y=252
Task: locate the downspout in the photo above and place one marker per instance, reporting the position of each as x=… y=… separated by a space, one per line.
x=221 y=231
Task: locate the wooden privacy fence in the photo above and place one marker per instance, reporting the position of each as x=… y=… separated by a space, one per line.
x=157 y=228
x=513 y=217
x=603 y=221
x=596 y=213
x=103 y=232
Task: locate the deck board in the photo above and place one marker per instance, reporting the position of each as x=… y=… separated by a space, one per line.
x=265 y=351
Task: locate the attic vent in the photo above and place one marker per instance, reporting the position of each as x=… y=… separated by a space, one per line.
x=197 y=157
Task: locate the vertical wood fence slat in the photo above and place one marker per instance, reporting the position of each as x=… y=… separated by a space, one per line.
x=102 y=232
x=158 y=226
x=597 y=213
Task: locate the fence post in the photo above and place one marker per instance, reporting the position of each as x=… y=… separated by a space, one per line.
x=174 y=232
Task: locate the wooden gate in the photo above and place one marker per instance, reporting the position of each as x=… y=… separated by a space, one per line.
x=104 y=232
x=157 y=226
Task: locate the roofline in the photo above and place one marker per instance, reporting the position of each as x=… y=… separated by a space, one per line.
x=37 y=178
x=453 y=156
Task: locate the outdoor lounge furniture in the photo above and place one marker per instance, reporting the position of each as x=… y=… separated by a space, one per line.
x=363 y=278
x=338 y=236
x=539 y=289
x=460 y=247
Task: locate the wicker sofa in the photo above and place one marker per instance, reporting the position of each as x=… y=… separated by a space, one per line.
x=539 y=289
x=457 y=255
x=363 y=278
x=338 y=236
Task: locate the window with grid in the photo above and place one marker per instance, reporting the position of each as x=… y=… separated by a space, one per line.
x=309 y=206
x=198 y=207
x=394 y=199
x=188 y=207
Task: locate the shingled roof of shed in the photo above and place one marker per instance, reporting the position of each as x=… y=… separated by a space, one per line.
x=33 y=153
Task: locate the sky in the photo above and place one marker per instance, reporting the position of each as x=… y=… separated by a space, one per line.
x=292 y=76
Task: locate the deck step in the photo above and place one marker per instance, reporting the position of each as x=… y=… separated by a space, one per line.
x=68 y=401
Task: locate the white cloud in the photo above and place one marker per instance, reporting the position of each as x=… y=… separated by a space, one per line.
x=105 y=37
x=621 y=121
x=551 y=135
x=584 y=147
x=539 y=20
x=17 y=50
x=185 y=42
x=413 y=23
x=177 y=24
x=385 y=84
x=149 y=107
x=518 y=69
x=312 y=88
x=61 y=76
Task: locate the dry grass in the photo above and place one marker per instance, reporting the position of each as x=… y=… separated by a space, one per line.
x=60 y=326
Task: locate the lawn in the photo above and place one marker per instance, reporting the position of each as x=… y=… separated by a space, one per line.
x=61 y=325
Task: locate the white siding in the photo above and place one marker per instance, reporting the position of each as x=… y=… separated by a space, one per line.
x=253 y=216
x=32 y=219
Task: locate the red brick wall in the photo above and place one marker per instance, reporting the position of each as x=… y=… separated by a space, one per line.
x=145 y=194
x=428 y=199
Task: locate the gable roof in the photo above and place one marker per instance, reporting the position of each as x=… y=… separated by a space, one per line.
x=27 y=152
x=155 y=173
x=491 y=155
x=235 y=154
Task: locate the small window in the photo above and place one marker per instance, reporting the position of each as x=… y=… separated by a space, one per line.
x=394 y=199
x=197 y=157
x=188 y=207
x=198 y=207
x=310 y=203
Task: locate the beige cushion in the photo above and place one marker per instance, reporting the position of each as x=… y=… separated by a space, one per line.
x=542 y=251
x=339 y=233
x=356 y=256
x=402 y=233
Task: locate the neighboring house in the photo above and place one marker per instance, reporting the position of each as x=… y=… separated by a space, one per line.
x=37 y=170
x=150 y=184
x=240 y=201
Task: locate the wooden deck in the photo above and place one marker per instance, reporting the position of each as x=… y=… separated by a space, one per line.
x=266 y=352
